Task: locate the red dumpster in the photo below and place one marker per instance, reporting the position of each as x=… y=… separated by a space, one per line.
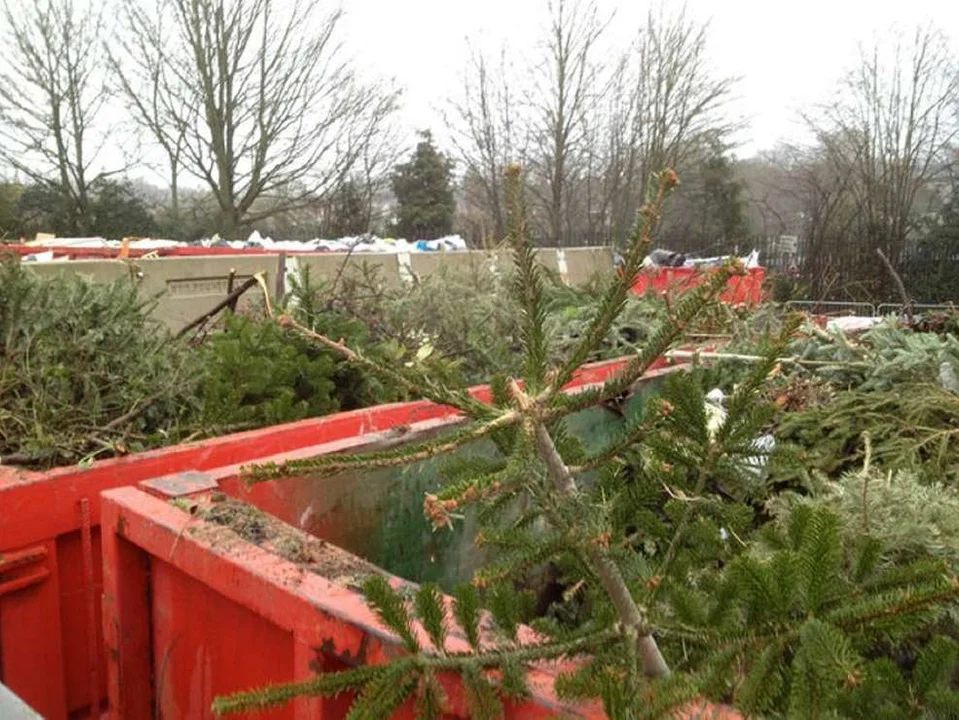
x=740 y=290
x=51 y=574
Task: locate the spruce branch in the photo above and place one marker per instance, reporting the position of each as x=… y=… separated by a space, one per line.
x=611 y=306
x=391 y=609
x=548 y=650
x=475 y=489
x=431 y=700
x=418 y=386
x=326 y=465
x=608 y=572
x=432 y=613
x=528 y=283
x=323 y=685
x=467 y=611
x=671 y=330
x=379 y=698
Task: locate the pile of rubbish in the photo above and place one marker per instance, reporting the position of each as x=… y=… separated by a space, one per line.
x=360 y=243
x=670 y=259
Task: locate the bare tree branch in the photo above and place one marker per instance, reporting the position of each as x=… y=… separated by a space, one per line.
x=52 y=98
x=887 y=136
x=590 y=129
x=256 y=100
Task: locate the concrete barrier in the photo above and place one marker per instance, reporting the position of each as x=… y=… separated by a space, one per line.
x=583 y=264
x=98 y=270
x=328 y=266
x=465 y=261
x=189 y=286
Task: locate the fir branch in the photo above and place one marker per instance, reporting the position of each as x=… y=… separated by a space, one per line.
x=611 y=306
x=689 y=306
x=627 y=439
x=503 y=605
x=323 y=685
x=679 y=536
x=866 y=615
x=528 y=283
x=724 y=640
x=743 y=398
x=326 y=465
x=609 y=574
x=936 y=664
x=519 y=560
x=391 y=609
x=431 y=611
x=704 y=356
x=739 y=405
x=418 y=386
x=891 y=605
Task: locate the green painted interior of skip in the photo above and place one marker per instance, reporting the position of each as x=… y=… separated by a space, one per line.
x=379 y=515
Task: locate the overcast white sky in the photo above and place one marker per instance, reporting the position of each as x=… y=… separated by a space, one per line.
x=788 y=54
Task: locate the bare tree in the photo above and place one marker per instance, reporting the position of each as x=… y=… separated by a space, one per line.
x=487 y=135
x=141 y=70
x=271 y=115
x=373 y=172
x=889 y=134
x=52 y=96
x=565 y=91
x=667 y=106
x=591 y=131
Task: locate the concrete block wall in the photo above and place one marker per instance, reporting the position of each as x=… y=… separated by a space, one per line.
x=326 y=267
x=583 y=264
x=99 y=270
x=189 y=286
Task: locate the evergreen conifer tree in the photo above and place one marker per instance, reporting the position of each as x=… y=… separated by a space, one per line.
x=690 y=589
x=423 y=187
x=932 y=268
x=345 y=213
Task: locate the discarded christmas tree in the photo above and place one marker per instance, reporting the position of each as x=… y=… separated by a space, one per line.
x=681 y=585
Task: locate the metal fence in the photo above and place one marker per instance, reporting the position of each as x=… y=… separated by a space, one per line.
x=899 y=309
x=831 y=308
